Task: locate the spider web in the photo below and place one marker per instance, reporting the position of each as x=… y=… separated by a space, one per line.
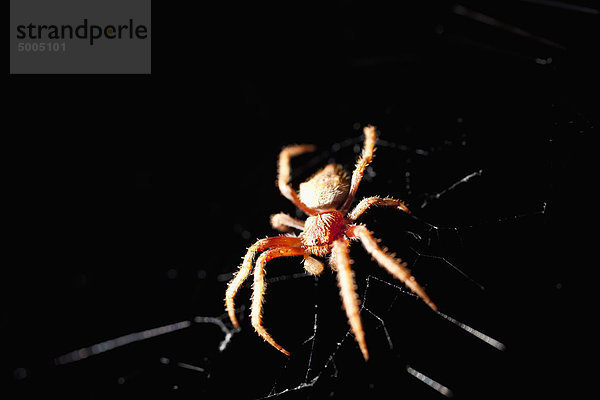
x=411 y=346
x=427 y=248
x=492 y=190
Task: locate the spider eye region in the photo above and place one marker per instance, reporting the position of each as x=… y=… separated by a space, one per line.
x=326 y=189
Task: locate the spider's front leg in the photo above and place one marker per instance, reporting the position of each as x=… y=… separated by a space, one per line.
x=244 y=270
x=284 y=223
x=340 y=260
x=259 y=286
x=394 y=266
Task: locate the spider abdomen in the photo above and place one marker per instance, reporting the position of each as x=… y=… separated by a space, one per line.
x=321 y=230
x=327 y=189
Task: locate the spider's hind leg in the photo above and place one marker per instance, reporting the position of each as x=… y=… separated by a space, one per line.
x=376 y=201
x=284 y=223
x=284 y=172
x=363 y=161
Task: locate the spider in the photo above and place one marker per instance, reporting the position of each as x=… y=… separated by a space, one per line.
x=326 y=198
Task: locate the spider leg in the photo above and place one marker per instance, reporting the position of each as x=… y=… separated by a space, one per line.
x=363 y=161
x=258 y=289
x=376 y=201
x=341 y=260
x=246 y=267
x=283 y=222
x=283 y=176
x=394 y=266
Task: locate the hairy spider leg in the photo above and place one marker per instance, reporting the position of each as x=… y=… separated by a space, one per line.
x=284 y=170
x=259 y=286
x=246 y=267
x=363 y=161
x=341 y=260
x=283 y=222
x=376 y=201
x=394 y=266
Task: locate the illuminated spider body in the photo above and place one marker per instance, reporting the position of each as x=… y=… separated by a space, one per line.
x=326 y=197
x=321 y=230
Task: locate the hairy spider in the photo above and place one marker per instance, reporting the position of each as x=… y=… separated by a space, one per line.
x=326 y=197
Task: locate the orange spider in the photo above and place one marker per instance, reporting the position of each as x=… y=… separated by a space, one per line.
x=326 y=197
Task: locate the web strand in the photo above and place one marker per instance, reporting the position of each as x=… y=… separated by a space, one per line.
x=438 y=195
x=112 y=344
x=120 y=341
x=314 y=368
x=438 y=387
x=479 y=335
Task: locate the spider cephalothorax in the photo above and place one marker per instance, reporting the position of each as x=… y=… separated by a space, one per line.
x=321 y=230
x=326 y=197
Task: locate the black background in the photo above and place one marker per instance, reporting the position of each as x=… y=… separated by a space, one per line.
x=135 y=195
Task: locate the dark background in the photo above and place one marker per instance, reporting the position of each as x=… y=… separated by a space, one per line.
x=135 y=196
